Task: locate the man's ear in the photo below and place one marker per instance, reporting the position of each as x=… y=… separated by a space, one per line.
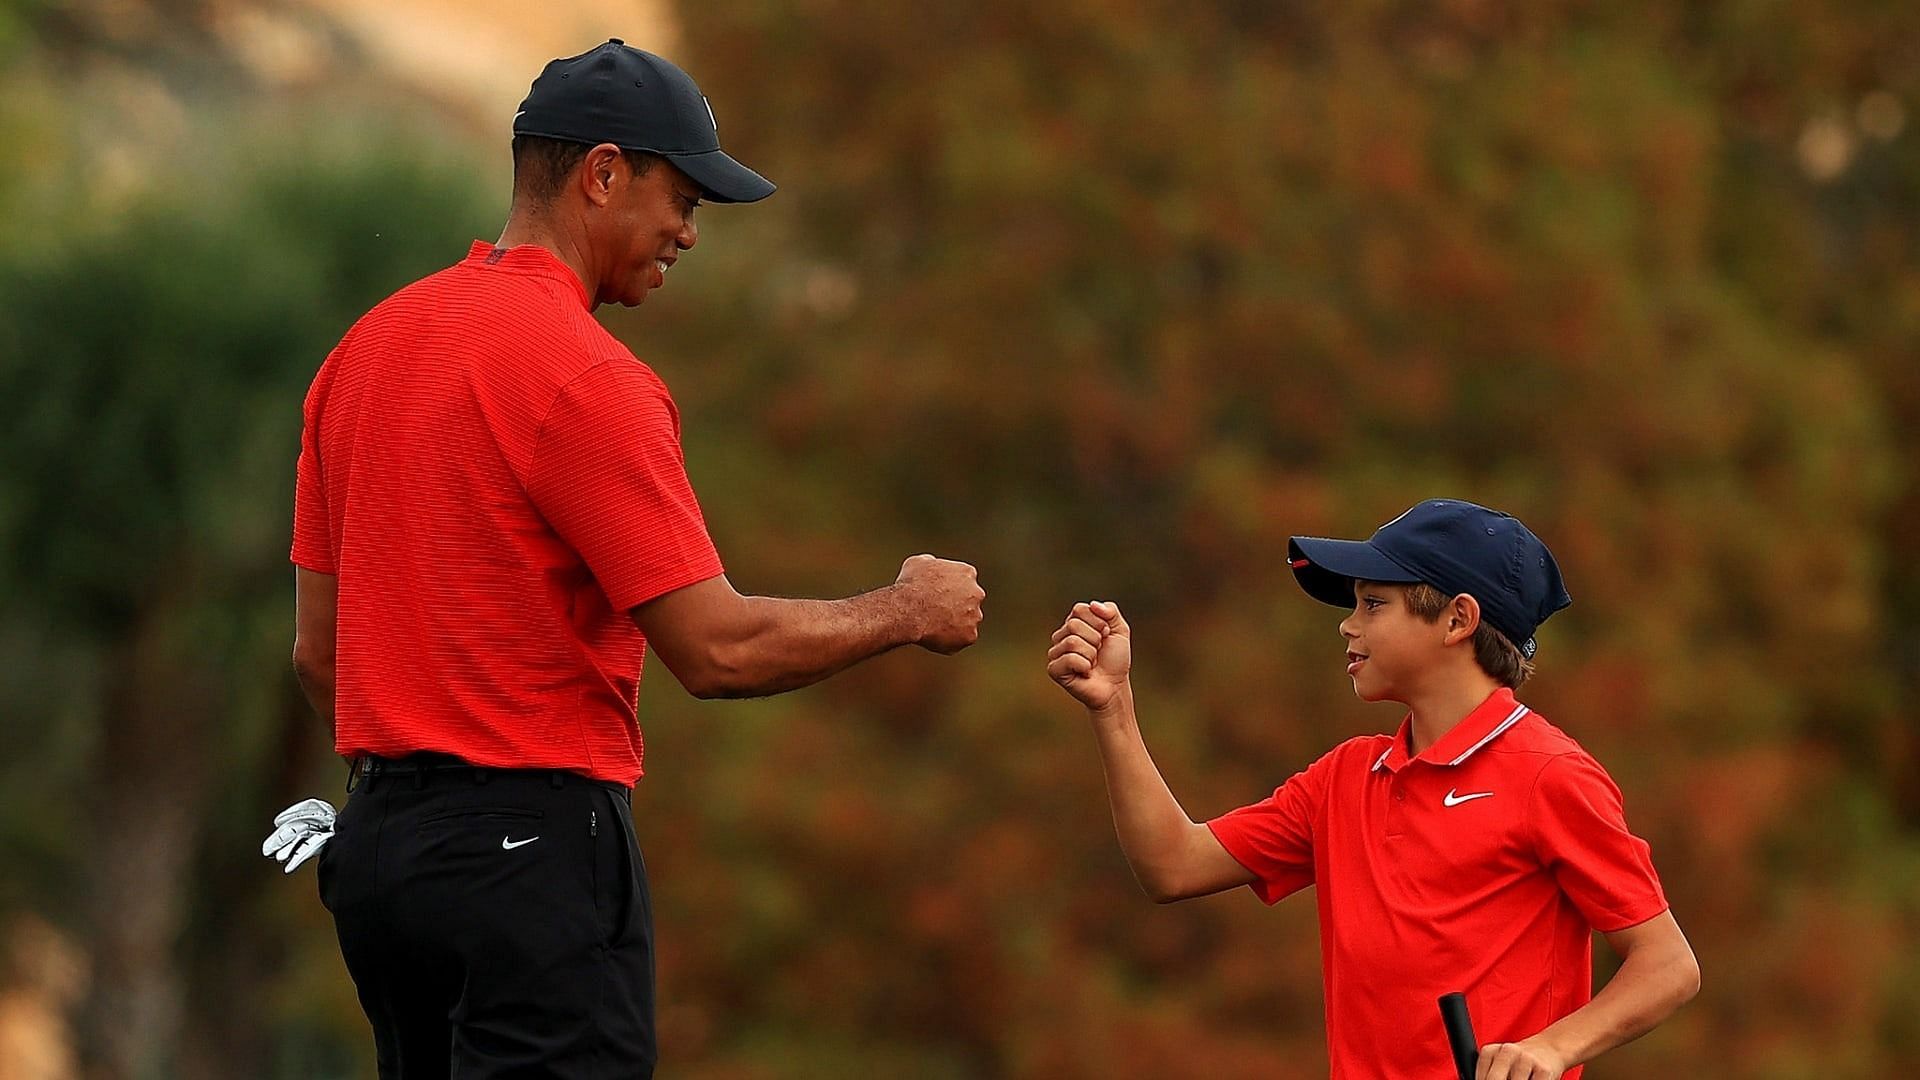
x=1463 y=618
x=599 y=172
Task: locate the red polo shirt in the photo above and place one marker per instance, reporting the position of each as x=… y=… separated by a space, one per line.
x=496 y=481
x=1483 y=865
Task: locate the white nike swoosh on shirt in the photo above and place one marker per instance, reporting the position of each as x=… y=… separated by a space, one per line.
x=509 y=845
x=1456 y=800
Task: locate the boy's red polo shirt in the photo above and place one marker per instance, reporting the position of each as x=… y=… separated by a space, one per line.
x=496 y=481
x=1483 y=865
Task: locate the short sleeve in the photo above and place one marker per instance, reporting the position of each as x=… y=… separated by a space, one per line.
x=1580 y=834
x=609 y=475
x=1274 y=838
x=312 y=524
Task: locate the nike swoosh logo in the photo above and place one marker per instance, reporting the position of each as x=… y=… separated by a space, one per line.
x=509 y=845
x=1456 y=800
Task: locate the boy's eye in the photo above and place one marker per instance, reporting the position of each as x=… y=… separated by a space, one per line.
x=1372 y=602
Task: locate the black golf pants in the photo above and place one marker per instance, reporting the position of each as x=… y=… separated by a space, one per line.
x=496 y=924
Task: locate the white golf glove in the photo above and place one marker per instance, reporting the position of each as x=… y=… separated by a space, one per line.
x=299 y=832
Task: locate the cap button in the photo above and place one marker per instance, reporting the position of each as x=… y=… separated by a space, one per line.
x=615 y=41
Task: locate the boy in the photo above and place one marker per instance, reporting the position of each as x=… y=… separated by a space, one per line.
x=1477 y=848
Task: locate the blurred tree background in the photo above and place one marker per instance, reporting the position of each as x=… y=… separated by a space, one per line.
x=1109 y=298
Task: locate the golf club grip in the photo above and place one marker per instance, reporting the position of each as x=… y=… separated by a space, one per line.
x=1466 y=1050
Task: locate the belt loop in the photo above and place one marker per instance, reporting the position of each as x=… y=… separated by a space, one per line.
x=353 y=774
x=481 y=776
x=419 y=778
x=557 y=778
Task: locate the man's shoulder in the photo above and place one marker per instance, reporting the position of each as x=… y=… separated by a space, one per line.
x=532 y=321
x=429 y=289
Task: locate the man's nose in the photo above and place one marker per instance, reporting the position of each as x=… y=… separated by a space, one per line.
x=689 y=236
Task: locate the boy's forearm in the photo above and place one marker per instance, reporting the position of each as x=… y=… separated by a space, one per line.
x=1648 y=988
x=1154 y=830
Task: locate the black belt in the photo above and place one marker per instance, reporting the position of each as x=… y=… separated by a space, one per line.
x=421 y=765
x=373 y=765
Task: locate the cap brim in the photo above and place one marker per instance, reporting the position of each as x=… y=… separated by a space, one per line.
x=1327 y=569
x=723 y=179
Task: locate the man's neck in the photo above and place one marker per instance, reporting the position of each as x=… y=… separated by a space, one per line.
x=1439 y=708
x=542 y=230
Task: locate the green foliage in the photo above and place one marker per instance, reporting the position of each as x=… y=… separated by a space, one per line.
x=152 y=365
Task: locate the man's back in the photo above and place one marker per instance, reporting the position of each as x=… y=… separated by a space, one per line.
x=458 y=439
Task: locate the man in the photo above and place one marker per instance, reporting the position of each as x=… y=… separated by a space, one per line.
x=1477 y=848
x=493 y=521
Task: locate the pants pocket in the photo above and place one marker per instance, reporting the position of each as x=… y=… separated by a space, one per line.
x=616 y=870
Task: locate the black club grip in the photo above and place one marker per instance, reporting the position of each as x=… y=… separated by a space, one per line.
x=1466 y=1051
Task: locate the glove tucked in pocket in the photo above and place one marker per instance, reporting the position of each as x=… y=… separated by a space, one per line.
x=300 y=831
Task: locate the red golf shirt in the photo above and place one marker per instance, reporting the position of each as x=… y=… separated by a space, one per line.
x=1484 y=865
x=496 y=481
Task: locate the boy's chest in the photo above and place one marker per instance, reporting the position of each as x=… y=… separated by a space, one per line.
x=1424 y=833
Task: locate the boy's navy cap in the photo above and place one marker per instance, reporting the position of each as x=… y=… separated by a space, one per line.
x=637 y=101
x=1454 y=546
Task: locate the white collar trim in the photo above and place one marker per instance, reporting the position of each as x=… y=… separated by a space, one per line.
x=1512 y=719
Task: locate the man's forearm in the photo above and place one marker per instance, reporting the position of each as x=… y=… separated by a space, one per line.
x=1154 y=830
x=1647 y=989
x=787 y=644
x=316 y=681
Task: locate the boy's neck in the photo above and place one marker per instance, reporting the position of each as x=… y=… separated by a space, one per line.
x=1439 y=708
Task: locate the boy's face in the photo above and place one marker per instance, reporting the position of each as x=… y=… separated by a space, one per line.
x=1389 y=648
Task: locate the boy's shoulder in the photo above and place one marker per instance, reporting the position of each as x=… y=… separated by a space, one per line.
x=1542 y=741
x=1360 y=753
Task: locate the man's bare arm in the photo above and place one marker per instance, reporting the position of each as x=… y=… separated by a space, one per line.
x=719 y=643
x=315 y=618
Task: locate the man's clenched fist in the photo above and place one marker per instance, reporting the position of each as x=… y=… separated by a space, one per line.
x=947 y=595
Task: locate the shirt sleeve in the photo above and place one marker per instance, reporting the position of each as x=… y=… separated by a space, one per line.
x=1274 y=838
x=1580 y=833
x=610 y=477
x=312 y=525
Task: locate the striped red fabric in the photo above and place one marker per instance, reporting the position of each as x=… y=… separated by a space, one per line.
x=495 y=480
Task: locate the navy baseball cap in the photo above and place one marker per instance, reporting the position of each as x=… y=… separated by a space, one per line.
x=1456 y=547
x=637 y=101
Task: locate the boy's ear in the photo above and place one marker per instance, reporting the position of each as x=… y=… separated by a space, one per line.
x=1463 y=618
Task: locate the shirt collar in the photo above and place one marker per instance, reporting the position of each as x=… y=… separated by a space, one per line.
x=1485 y=723
x=531 y=259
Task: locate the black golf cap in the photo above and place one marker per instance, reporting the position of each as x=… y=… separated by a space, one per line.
x=637 y=101
x=1456 y=547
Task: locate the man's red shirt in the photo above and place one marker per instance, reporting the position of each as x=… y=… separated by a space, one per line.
x=496 y=481
x=1483 y=865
